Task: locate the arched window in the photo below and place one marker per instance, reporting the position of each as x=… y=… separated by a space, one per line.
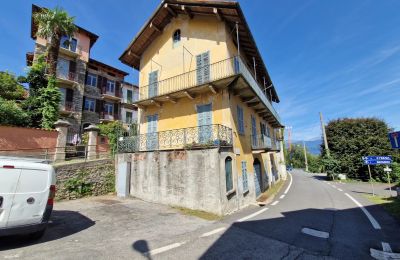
x=176 y=38
x=228 y=174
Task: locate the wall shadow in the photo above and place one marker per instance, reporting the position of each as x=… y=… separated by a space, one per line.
x=351 y=236
x=63 y=223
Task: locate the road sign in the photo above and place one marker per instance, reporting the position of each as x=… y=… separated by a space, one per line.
x=395 y=140
x=387 y=169
x=374 y=160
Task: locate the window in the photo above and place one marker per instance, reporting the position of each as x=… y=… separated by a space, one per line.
x=108 y=109
x=228 y=174
x=90 y=104
x=91 y=80
x=203 y=68
x=244 y=177
x=153 y=83
x=110 y=86
x=129 y=95
x=128 y=117
x=240 y=120
x=68 y=43
x=176 y=38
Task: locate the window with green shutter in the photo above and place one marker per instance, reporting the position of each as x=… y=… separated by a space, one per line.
x=240 y=120
x=228 y=174
x=203 y=68
x=153 y=84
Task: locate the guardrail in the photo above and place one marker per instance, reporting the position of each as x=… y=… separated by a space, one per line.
x=207 y=136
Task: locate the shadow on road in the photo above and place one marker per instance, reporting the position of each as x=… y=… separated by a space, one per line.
x=63 y=223
x=142 y=247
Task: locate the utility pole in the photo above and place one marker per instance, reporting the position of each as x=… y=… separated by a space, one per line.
x=324 y=134
x=305 y=156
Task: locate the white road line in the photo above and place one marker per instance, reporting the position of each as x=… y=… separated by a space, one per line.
x=164 y=249
x=215 y=231
x=383 y=255
x=373 y=221
x=315 y=233
x=386 y=247
x=282 y=196
x=339 y=189
x=275 y=202
x=290 y=184
x=252 y=215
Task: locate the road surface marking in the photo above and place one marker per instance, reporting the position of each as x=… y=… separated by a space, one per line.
x=163 y=249
x=290 y=184
x=339 y=189
x=282 y=196
x=275 y=202
x=252 y=215
x=386 y=247
x=377 y=254
x=215 y=231
x=315 y=233
x=373 y=221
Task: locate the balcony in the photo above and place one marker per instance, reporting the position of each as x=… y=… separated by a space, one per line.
x=67 y=107
x=69 y=78
x=110 y=95
x=232 y=73
x=70 y=52
x=107 y=117
x=200 y=137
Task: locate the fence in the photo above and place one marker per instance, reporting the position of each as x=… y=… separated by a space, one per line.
x=206 y=136
x=72 y=152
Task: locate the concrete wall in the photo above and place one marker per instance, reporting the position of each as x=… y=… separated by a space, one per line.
x=192 y=179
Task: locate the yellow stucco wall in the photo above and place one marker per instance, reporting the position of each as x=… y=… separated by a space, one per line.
x=199 y=35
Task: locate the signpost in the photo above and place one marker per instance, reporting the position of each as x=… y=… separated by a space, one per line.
x=395 y=140
x=375 y=160
x=388 y=170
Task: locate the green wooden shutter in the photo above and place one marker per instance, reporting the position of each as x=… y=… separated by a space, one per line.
x=206 y=66
x=153 y=83
x=199 y=71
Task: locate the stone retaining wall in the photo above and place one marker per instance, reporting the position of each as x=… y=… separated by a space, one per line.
x=77 y=180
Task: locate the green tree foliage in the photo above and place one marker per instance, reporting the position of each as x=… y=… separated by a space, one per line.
x=52 y=25
x=10 y=88
x=12 y=114
x=350 y=139
x=50 y=98
x=115 y=130
x=37 y=80
x=295 y=158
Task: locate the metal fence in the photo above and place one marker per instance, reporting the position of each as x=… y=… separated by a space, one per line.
x=207 y=136
x=72 y=152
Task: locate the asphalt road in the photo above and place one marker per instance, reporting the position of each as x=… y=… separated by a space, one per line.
x=309 y=219
x=339 y=227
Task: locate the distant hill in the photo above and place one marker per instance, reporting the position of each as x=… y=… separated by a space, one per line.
x=312 y=146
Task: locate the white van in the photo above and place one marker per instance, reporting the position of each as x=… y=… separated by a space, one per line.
x=27 y=189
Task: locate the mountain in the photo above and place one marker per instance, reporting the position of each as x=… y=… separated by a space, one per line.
x=312 y=146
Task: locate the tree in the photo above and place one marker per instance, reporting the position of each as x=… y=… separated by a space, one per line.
x=50 y=99
x=350 y=139
x=10 y=88
x=12 y=114
x=52 y=25
x=37 y=80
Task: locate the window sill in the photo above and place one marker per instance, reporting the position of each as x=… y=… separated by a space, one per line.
x=229 y=193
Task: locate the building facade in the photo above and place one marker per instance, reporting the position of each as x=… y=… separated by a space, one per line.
x=203 y=86
x=92 y=92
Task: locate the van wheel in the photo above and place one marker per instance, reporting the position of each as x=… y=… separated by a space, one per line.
x=37 y=235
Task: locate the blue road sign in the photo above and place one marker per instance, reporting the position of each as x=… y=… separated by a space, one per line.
x=374 y=160
x=395 y=140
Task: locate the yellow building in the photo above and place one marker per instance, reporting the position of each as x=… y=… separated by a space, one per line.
x=203 y=85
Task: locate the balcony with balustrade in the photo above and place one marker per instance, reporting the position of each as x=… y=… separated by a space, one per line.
x=200 y=137
x=68 y=79
x=263 y=143
x=232 y=73
x=67 y=107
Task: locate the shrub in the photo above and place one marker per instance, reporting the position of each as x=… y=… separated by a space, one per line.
x=12 y=114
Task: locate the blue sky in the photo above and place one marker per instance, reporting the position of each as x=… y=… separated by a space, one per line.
x=338 y=57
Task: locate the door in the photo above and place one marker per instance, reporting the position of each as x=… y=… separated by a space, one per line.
x=152 y=135
x=8 y=186
x=203 y=68
x=257 y=177
x=62 y=68
x=153 y=84
x=30 y=198
x=253 y=132
x=204 y=123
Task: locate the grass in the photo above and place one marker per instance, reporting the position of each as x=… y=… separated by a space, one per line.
x=198 y=213
x=271 y=191
x=391 y=205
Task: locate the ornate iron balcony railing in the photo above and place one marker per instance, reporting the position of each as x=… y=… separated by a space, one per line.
x=216 y=71
x=207 y=136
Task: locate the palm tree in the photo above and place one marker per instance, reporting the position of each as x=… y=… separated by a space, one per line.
x=52 y=25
